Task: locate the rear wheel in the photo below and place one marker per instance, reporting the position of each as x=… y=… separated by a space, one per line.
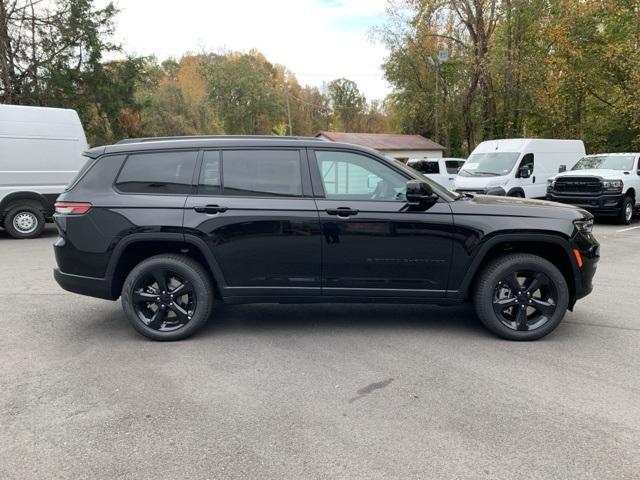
x=626 y=212
x=24 y=220
x=521 y=297
x=167 y=297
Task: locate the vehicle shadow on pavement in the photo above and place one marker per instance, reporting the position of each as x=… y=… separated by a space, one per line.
x=266 y=319
x=331 y=317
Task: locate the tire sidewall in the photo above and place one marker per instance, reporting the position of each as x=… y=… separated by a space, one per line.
x=17 y=210
x=623 y=212
x=497 y=270
x=190 y=271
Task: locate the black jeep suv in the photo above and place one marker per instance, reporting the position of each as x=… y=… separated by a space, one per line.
x=175 y=226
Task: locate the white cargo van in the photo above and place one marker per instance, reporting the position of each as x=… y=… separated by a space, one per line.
x=40 y=153
x=517 y=167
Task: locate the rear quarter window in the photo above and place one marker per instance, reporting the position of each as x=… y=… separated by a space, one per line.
x=158 y=173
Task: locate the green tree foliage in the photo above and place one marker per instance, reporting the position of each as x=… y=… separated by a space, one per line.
x=553 y=68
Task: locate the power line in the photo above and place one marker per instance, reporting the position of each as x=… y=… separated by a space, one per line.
x=338 y=76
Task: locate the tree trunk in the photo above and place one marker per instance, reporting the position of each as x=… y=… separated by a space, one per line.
x=7 y=68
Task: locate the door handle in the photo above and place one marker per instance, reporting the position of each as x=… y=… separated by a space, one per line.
x=534 y=179
x=210 y=209
x=342 y=211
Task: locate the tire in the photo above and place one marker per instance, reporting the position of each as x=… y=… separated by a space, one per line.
x=167 y=317
x=516 y=194
x=24 y=220
x=494 y=293
x=626 y=212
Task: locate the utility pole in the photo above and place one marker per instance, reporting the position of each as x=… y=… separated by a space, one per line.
x=443 y=56
x=288 y=111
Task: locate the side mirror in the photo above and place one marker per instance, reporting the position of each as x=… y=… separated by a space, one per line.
x=420 y=194
x=524 y=172
x=562 y=168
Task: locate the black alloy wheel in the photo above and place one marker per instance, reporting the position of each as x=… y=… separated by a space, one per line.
x=525 y=300
x=521 y=296
x=168 y=297
x=164 y=300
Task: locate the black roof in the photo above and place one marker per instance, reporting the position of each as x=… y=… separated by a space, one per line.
x=208 y=141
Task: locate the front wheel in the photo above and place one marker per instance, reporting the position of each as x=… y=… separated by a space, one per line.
x=167 y=297
x=626 y=212
x=521 y=297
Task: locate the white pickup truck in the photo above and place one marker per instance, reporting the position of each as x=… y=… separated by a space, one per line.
x=605 y=184
x=441 y=170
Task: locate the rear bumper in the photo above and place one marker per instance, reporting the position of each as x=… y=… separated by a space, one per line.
x=605 y=204
x=90 y=286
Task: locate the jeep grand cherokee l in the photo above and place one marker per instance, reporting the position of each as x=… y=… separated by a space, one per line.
x=176 y=226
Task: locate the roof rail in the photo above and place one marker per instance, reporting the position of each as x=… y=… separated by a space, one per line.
x=218 y=137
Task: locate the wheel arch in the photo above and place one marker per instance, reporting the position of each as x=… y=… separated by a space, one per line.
x=631 y=192
x=514 y=190
x=16 y=197
x=552 y=247
x=133 y=249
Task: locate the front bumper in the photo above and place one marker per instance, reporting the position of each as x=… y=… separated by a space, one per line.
x=603 y=204
x=589 y=250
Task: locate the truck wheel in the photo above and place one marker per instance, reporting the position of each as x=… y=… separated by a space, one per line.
x=626 y=212
x=167 y=297
x=521 y=297
x=24 y=220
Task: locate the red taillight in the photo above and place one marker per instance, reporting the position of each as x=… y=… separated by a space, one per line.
x=72 y=208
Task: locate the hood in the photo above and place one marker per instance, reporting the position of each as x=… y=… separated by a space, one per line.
x=523 y=207
x=593 y=172
x=473 y=183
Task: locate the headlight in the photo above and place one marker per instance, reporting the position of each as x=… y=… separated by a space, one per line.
x=551 y=182
x=613 y=185
x=584 y=225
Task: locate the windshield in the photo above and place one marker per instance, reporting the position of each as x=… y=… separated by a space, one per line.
x=489 y=164
x=608 y=162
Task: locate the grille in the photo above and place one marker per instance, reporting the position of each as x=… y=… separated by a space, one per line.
x=578 y=185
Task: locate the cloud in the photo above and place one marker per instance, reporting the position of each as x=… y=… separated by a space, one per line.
x=318 y=40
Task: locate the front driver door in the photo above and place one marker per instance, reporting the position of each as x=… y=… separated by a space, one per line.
x=373 y=244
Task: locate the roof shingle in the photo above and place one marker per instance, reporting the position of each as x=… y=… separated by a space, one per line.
x=383 y=141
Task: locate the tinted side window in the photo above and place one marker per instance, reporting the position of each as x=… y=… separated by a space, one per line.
x=453 y=166
x=209 y=183
x=272 y=173
x=426 y=167
x=527 y=161
x=158 y=172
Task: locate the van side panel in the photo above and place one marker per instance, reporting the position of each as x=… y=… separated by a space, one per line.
x=41 y=149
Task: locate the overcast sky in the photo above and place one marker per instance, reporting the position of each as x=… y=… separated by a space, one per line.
x=318 y=40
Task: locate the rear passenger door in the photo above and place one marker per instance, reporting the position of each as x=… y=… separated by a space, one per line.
x=254 y=209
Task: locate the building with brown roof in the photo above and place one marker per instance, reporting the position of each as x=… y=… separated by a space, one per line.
x=393 y=145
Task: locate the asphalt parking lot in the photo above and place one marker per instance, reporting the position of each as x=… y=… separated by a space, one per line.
x=320 y=391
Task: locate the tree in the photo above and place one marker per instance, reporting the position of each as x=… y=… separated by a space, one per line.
x=347 y=102
x=242 y=89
